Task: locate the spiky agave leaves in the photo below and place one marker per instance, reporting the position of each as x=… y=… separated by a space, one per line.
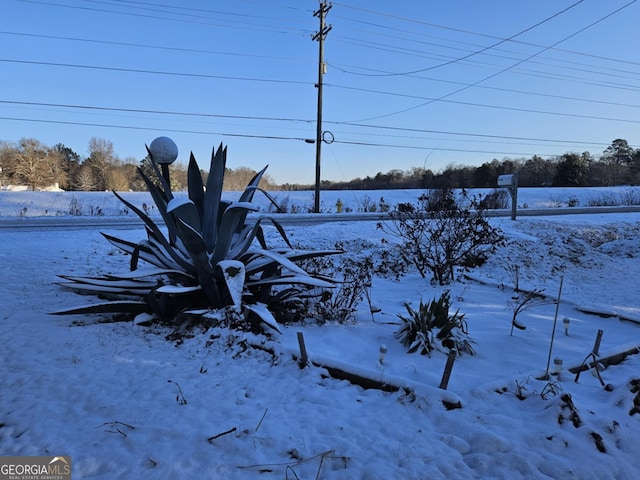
x=192 y=271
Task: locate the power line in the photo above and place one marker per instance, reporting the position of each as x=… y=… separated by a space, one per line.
x=477 y=135
x=473 y=104
x=469 y=32
x=519 y=92
x=472 y=54
x=141 y=45
x=192 y=18
x=358 y=125
x=137 y=127
x=265 y=137
x=154 y=72
x=155 y=112
x=564 y=64
x=507 y=68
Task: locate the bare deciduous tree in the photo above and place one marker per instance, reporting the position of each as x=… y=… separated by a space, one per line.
x=85 y=180
x=36 y=165
x=101 y=158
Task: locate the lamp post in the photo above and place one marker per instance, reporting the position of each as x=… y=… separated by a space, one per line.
x=164 y=152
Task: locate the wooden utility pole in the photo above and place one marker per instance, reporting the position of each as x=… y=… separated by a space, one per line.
x=320 y=35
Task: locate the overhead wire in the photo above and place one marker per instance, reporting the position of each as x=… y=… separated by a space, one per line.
x=155 y=72
x=268 y=137
x=191 y=18
x=482 y=50
x=148 y=46
x=288 y=81
x=469 y=32
x=299 y=120
x=501 y=71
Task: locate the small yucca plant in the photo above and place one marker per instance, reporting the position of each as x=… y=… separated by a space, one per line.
x=208 y=261
x=431 y=323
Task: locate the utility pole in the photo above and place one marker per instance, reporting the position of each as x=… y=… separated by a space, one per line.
x=320 y=35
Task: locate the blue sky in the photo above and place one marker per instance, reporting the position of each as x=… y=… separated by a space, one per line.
x=408 y=84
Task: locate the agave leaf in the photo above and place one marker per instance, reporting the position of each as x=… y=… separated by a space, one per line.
x=197 y=249
x=263 y=313
x=111 y=282
x=123 y=245
x=233 y=273
x=243 y=240
x=230 y=220
x=162 y=258
x=86 y=287
x=247 y=195
x=252 y=186
x=276 y=257
x=178 y=289
x=269 y=197
x=257 y=260
x=185 y=210
x=280 y=230
x=153 y=252
x=152 y=272
x=136 y=250
x=153 y=228
x=213 y=195
x=193 y=242
x=292 y=279
x=177 y=249
x=143 y=216
x=120 y=306
x=195 y=186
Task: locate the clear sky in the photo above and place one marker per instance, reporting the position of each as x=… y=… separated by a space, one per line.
x=410 y=83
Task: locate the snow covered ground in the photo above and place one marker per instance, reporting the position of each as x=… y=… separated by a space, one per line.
x=125 y=402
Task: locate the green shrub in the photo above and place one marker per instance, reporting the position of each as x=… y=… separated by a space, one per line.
x=431 y=327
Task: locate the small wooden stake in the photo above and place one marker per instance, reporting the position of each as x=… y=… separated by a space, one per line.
x=447 y=370
x=303 y=350
x=596 y=345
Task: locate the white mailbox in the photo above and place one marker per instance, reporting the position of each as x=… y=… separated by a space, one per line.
x=507 y=180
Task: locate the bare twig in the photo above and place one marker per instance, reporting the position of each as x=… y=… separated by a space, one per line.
x=180 y=398
x=286 y=473
x=211 y=439
x=262 y=418
x=526 y=301
x=288 y=464
x=115 y=427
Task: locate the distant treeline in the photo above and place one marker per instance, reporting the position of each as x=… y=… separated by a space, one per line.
x=31 y=163
x=619 y=164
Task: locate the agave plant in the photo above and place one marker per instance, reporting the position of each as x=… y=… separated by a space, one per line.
x=213 y=257
x=432 y=322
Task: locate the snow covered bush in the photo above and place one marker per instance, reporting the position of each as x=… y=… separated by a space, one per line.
x=208 y=262
x=442 y=232
x=496 y=200
x=353 y=277
x=432 y=327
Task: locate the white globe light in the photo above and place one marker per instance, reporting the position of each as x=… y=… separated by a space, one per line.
x=164 y=150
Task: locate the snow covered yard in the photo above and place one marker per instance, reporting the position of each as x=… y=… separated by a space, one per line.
x=124 y=402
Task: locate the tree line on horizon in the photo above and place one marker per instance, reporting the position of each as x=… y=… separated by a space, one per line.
x=31 y=163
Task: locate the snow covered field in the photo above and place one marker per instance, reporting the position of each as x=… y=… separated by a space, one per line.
x=124 y=402
x=54 y=204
